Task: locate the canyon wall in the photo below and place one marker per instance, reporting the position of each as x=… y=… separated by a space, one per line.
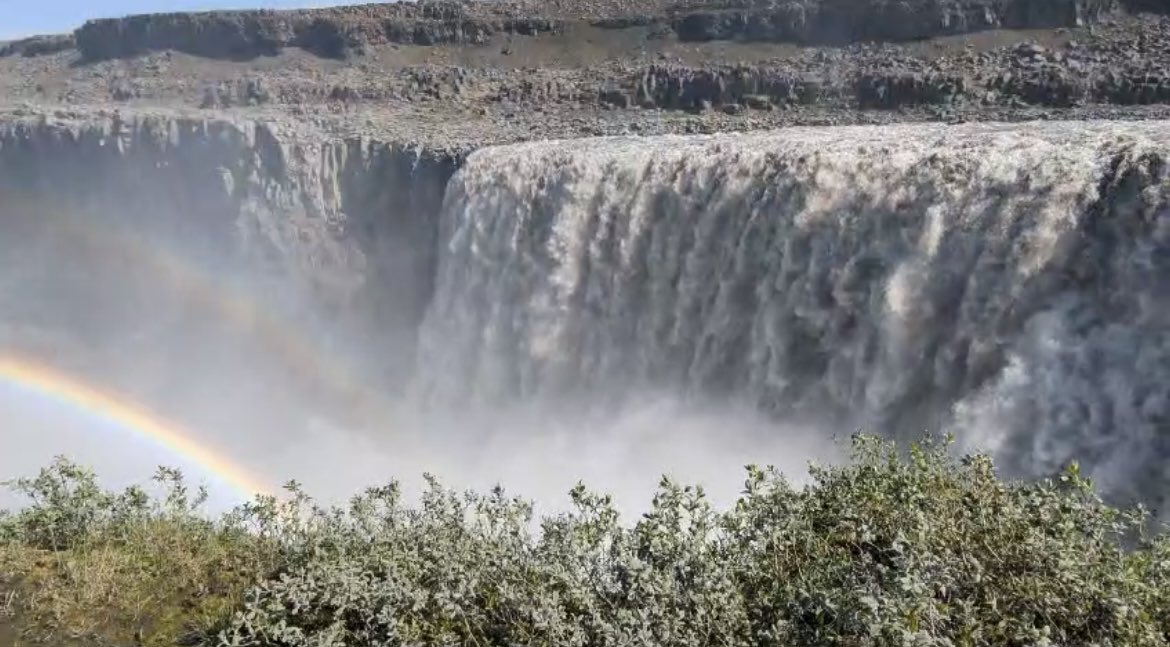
x=153 y=236
x=846 y=21
x=329 y=32
x=345 y=31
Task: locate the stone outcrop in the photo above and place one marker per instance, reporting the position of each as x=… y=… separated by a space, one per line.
x=331 y=33
x=818 y=22
x=875 y=80
x=346 y=227
x=1150 y=6
x=341 y=32
x=38 y=45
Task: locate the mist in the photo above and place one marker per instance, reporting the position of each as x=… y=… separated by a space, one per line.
x=349 y=312
x=155 y=336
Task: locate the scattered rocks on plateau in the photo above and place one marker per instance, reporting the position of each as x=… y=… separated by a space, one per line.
x=38 y=45
x=479 y=71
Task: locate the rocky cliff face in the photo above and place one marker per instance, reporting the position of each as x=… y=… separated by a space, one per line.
x=333 y=33
x=38 y=45
x=333 y=236
x=845 y=21
x=341 y=32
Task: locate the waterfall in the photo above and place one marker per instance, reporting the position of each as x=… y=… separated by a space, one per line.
x=1009 y=283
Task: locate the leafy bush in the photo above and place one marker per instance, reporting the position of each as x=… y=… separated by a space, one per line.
x=122 y=568
x=892 y=549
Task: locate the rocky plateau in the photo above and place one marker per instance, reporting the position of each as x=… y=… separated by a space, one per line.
x=456 y=75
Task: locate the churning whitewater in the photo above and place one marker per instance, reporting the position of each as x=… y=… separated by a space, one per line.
x=1009 y=283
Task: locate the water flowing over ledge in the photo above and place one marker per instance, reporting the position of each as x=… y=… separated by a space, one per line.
x=1005 y=282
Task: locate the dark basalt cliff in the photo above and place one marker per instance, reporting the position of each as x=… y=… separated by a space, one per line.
x=344 y=31
x=333 y=32
x=38 y=45
x=846 y=21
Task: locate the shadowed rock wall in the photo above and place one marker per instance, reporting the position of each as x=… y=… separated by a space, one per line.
x=337 y=235
x=847 y=21
x=339 y=32
x=333 y=33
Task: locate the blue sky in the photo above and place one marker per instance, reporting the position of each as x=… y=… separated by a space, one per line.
x=26 y=17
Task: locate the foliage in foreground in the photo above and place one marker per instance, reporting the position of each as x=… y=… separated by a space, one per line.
x=121 y=569
x=891 y=549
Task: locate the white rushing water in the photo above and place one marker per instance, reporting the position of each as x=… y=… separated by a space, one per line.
x=1008 y=283
x=617 y=308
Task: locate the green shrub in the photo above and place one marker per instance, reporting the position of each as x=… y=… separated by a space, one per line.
x=121 y=568
x=933 y=551
x=892 y=549
x=888 y=550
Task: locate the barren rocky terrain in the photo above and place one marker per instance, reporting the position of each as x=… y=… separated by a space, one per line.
x=460 y=74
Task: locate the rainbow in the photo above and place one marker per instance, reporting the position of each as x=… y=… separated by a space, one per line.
x=229 y=303
x=47 y=382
